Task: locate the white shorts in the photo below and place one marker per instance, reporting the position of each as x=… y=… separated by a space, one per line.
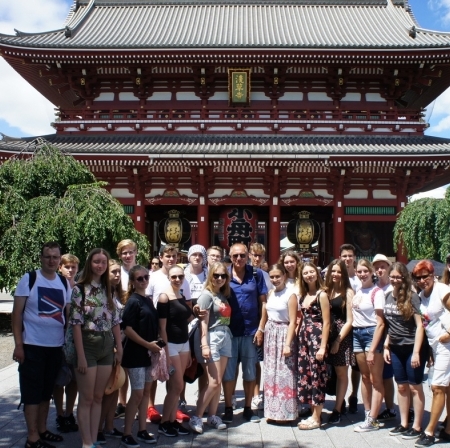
x=441 y=355
x=176 y=349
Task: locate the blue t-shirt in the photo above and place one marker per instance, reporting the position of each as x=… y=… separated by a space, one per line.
x=244 y=302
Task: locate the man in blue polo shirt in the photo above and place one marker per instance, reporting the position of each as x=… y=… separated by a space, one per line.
x=248 y=318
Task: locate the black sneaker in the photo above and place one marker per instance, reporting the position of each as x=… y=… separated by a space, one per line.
x=62 y=425
x=129 y=442
x=411 y=416
x=411 y=434
x=144 y=436
x=120 y=411
x=398 y=430
x=100 y=438
x=180 y=429
x=167 y=429
x=114 y=433
x=386 y=415
x=353 y=405
x=444 y=435
x=72 y=423
x=227 y=416
x=343 y=408
x=250 y=416
x=424 y=440
x=335 y=417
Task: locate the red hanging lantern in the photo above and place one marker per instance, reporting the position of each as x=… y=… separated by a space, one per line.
x=237 y=225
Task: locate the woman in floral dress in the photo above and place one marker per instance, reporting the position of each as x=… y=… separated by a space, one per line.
x=312 y=343
x=96 y=329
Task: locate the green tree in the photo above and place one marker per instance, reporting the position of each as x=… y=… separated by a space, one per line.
x=49 y=196
x=423 y=226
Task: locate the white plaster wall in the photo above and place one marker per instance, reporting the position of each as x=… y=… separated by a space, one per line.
x=357 y=194
x=121 y=193
x=383 y=194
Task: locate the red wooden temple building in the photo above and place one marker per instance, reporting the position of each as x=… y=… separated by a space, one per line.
x=239 y=108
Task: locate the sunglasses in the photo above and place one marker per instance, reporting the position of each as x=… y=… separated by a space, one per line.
x=177 y=277
x=235 y=256
x=142 y=278
x=217 y=276
x=418 y=278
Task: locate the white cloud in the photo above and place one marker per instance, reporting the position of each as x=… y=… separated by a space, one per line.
x=21 y=105
x=438 y=193
x=443 y=7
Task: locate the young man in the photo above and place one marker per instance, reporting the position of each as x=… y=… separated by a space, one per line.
x=214 y=253
x=126 y=251
x=257 y=254
x=159 y=282
x=248 y=318
x=347 y=255
x=196 y=271
x=38 y=321
x=65 y=421
x=382 y=264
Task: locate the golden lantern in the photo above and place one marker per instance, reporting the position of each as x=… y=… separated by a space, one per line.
x=174 y=230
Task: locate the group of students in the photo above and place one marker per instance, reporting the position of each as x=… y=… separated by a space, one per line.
x=122 y=314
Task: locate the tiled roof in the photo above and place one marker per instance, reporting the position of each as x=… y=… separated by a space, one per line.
x=224 y=24
x=232 y=146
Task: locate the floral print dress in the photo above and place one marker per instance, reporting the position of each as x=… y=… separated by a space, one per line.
x=312 y=374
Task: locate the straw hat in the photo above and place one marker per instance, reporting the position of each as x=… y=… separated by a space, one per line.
x=116 y=379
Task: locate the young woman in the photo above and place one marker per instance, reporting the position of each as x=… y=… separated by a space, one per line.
x=140 y=324
x=368 y=328
x=312 y=343
x=174 y=314
x=404 y=349
x=109 y=402
x=280 y=350
x=96 y=330
x=291 y=262
x=213 y=344
x=432 y=308
x=341 y=349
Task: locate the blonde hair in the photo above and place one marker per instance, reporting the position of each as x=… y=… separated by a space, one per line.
x=125 y=243
x=225 y=289
x=69 y=258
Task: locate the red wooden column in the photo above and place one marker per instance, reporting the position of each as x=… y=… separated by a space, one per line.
x=401 y=254
x=274 y=230
x=203 y=223
x=338 y=216
x=139 y=204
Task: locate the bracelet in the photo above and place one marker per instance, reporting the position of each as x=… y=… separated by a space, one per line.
x=261 y=330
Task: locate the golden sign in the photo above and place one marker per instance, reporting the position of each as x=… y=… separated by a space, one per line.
x=239 y=86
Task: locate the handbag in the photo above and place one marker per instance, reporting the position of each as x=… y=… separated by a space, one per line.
x=195 y=370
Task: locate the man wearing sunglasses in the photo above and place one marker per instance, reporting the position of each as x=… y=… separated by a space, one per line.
x=159 y=282
x=248 y=318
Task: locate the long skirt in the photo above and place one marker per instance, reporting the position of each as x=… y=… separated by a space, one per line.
x=280 y=374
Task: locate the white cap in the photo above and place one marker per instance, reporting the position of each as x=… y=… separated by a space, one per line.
x=381 y=257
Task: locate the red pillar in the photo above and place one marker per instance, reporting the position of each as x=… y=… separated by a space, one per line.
x=203 y=223
x=274 y=230
x=139 y=205
x=401 y=254
x=338 y=219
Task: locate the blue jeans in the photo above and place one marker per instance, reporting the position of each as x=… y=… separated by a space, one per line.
x=243 y=351
x=401 y=363
x=362 y=340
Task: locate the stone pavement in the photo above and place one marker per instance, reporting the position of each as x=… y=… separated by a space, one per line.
x=239 y=433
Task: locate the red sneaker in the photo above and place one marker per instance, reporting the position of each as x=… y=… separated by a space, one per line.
x=153 y=415
x=182 y=417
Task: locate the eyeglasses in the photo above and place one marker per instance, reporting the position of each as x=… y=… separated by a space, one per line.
x=142 y=278
x=395 y=277
x=235 y=256
x=418 y=278
x=130 y=252
x=177 y=277
x=257 y=255
x=217 y=276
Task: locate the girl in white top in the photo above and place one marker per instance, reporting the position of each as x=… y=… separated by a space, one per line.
x=368 y=329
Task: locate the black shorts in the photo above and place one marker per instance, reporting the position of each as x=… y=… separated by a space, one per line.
x=37 y=374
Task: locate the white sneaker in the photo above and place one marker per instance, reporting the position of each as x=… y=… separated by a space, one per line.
x=258 y=402
x=196 y=424
x=182 y=405
x=233 y=402
x=216 y=422
x=368 y=425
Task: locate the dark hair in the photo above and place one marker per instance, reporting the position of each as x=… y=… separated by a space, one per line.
x=404 y=304
x=319 y=282
x=278 y=267
x=50 y=245
x=347 y=247
x=345 y=281
x=87 y=274
x=291 y=253
x=131 y=278
x=117 y=290
x=225 y=289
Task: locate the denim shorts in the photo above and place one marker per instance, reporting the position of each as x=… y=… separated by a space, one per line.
x=401 y=362
x=362 y=339
x=243 y=351
x=220 y=343
x=139 y=376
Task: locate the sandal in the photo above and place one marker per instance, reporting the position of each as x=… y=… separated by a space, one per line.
x=38 y=444
x=307 y=425
x=50 y=437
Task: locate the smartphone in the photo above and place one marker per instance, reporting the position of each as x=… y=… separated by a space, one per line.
x=160 y=343
x=171 y=370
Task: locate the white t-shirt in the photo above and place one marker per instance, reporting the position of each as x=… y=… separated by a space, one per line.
x=355 y=283
x=159 y=282
x=196 y=284
x=124 y=277
x=44 y=315
x=431 y=308
x=387 y=288
x=364 y=308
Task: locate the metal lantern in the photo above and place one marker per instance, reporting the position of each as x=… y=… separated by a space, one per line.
x=174 y=230
x=303 y=232
x=237 y=225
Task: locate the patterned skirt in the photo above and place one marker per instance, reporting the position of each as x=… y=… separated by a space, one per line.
x=280 y=374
